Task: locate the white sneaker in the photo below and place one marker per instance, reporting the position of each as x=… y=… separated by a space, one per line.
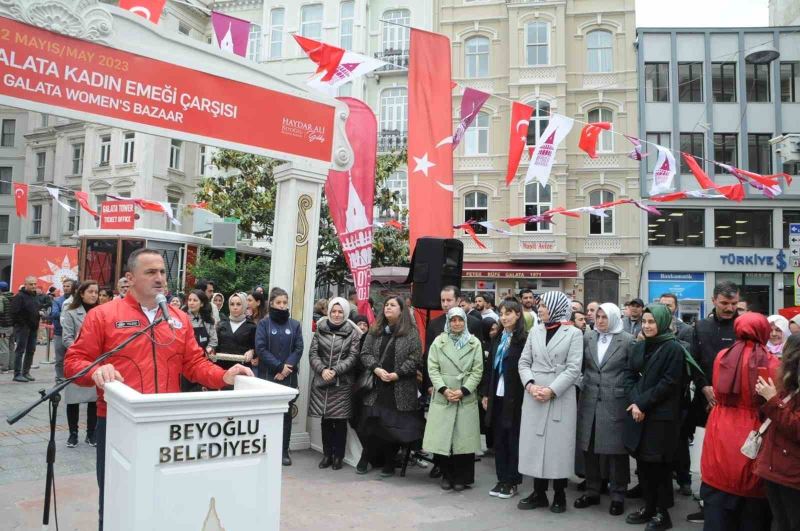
x=496 y=490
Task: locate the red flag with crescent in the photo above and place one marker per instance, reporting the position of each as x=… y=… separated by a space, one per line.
x=21 y=199
x=430 y=129
x=149 y=9
x=520 y=118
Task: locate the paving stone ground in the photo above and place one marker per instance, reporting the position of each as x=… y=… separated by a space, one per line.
x=312 y=499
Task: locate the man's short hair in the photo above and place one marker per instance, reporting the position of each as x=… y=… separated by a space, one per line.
x=726 y=288
x=133 y=259
x=466 y=297
x=670 y=296
x=573 y=314
x=523 y=291
x=488 y=297
x=203 y=283
x=454 y=289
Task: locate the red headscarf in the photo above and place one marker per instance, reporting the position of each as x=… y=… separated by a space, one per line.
x=752 y=333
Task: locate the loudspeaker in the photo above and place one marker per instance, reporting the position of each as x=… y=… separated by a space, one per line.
x=437 y=262
x=223 y=235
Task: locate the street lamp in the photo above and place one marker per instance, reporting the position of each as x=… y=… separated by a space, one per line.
x=762 y=55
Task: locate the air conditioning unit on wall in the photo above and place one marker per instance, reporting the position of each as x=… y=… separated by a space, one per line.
x=787 y=146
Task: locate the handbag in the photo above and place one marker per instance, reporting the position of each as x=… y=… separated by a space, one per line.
x=752 y=445
x=366 y=380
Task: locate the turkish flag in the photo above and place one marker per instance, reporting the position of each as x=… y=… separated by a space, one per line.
x=21 y=199
x=589 y=135
x=83 y=201
x=430 y=126
x=149 y=9
x=705 y=182
x=520 y=119
x=326 y=56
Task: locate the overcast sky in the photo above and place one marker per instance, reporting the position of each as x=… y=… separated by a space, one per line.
x=705 y=13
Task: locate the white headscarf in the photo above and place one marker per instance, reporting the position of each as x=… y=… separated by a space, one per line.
x=341 y=302
x=781 y=323
x=614 y=315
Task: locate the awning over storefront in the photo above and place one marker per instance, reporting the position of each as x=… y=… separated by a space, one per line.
x=517 y=270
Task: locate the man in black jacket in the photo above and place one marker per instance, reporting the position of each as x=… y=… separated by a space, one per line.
x=25 y=313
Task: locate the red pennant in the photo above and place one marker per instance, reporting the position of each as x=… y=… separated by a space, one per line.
x=152 y=206
x=468 y=227
x=326 y=56
x=520 y=119
x=705 y=182
x=83 y=201
x=563 y=211
x=21 y=199
x=395 y=224
x=149 y=9
x=589 y=136
x=513 y=222
x=201 y=204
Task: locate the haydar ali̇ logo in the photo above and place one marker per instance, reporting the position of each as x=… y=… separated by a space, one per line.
x=300 y=129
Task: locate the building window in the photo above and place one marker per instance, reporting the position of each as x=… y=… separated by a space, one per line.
x=77 y=158
x=789 y=82
x=759 y=153
x=346 y=16
x=44 y=120
x=726 y=150
x=539 y=120
x=41 y=162
x=598 y=224
x=394 y=110
x=605 y=143
x=36 y=220
x=656 y=82
x=742 y=228
x=476 y=139
x=676 y=228
x=6 y=176
x=174 y=207
x=396 y=38
x=723 y=82
x=662 y=139
x=599 y=53
x=128 y=145
x=397 y=182
x=175 y=154
x=537 y=43
x=184 y=28
x=105 y=150
x=538 y=200
x=476 y=287
x=789 y=217
x=477 y=57
x=4 y=220
x=276 y=33
x=757 y=82
x=74 y=218
x=99 y=200
x=203 y=162
x=476 y=208
x=254 y=43
x=9 y=129
x=693 y=144
x=690 y=82
x=311 y=21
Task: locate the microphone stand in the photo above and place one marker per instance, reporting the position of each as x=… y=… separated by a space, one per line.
x=53 y=395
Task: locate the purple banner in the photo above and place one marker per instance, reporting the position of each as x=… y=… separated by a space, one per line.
x=471 y=103
x=232 y=33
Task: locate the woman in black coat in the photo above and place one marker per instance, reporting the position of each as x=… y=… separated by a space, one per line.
x=502 y=393
x=236 y=334
x=651 y=433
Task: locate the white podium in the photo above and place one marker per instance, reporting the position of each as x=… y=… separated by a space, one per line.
x=195 y=461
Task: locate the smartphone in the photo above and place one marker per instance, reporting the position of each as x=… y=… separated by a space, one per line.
x=763 y=372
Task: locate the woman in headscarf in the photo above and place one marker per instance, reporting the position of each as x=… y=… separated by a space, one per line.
x=452 y=433
x=779 y=333
x=333 y=357
x=549 y=367
x=733 y=496
x=237 y=333
x=218 y=300
x=601 y=408
x=651 y=431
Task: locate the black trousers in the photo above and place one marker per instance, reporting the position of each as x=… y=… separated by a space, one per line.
x=506 y=446
x=334 y=437
x=25 y=339
x=457 y=469
x=656 y=482
x=728 y=512
x=540 y=485
x=73 y=411
x=682 y=462
x=100 y=468
x=785 y=504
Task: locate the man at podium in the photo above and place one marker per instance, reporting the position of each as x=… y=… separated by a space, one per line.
x=152 y=363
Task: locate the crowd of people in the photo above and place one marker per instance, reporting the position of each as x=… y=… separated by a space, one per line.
x=557 y=388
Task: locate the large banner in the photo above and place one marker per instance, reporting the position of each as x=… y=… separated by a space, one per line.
x=351 y=195
x=50 y=265
x=37 y=65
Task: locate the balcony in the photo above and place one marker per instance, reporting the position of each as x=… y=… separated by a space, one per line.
x=397 y=59
x=533 y=75
x=604 y=160
x=602 y=245
x=600 y=81
x=470 y=247
x=392 y=140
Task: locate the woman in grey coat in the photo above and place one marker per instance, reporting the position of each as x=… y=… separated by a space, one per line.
x=83 y=300
x=333 y=357
x=601 y=408
x=549 y=367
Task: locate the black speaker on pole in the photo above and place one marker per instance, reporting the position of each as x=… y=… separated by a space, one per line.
x=437 y=262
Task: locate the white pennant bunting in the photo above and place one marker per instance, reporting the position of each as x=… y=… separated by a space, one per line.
x=55 y=193
x=664 y=171
x=545 y=153
x=167 y=208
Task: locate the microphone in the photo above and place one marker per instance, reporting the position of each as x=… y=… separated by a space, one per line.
x=161 y=300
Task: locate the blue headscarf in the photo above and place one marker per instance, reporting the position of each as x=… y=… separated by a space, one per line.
x=459 y=340
x=502 y=353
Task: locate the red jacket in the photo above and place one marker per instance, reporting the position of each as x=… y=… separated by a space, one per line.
x=723 y=466
x=147 y=366
x=779 y=458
